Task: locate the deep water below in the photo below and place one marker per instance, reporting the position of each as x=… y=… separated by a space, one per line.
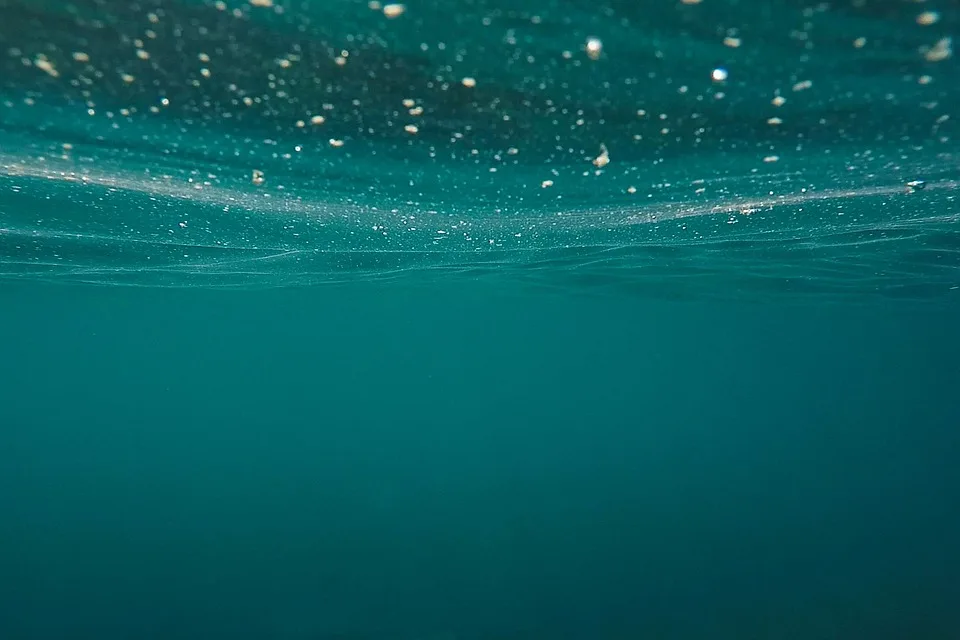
x=470 y=461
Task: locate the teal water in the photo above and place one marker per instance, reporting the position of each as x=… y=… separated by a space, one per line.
x=485 y=320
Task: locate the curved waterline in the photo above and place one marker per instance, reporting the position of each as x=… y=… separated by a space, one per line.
x=228 y=144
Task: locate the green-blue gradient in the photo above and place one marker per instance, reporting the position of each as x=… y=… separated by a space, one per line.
x=404 y=389
x=462 y=462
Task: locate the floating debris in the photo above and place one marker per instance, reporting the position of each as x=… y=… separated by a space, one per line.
x=46 y=66
x=594 y=48
x=603 y=159
x=394 y=10
x=257 y=178
x=942 y=50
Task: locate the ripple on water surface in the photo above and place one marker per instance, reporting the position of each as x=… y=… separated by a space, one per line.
x=691 y=149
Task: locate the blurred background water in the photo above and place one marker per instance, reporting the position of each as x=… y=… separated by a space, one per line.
x=478 y=319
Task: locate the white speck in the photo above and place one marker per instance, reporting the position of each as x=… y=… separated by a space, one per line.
x=393 y=10
x=603 y=159
x=594 y=48
x=719 y=74
x=942 y=50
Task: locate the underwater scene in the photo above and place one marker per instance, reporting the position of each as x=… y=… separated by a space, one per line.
x=468 y=319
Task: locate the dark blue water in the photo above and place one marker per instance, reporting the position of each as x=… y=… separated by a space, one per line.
x=552 y=320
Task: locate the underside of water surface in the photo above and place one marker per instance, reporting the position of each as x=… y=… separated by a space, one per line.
x=684 y=149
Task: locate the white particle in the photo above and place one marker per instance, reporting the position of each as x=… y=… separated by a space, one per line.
x=942 y=50
x=603 y=159
x=393 y=10
x=594 y=48
x=45 y=65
